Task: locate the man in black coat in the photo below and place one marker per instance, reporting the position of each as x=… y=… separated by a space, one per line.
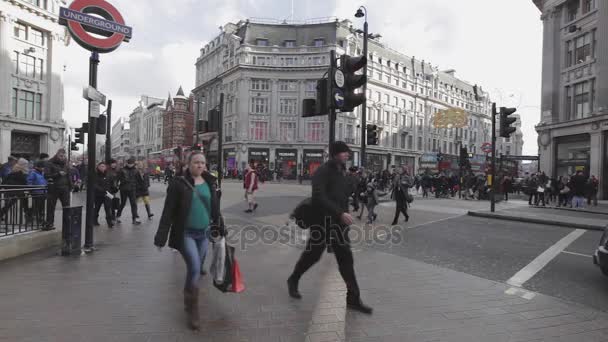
x=60 y=185
x=127 y=183
x=330 y=193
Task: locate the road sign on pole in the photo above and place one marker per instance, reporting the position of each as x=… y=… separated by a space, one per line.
x=339 y=98
x=90 y=93
x=95 y=109
x=339 y=78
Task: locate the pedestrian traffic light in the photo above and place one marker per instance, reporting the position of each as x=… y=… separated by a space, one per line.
x=505 y=122
x=79 y=135
x=102 y=121
x=319 y=106
x=349 y=82
x=73 y=146
x=213 y=120
x=372 y=134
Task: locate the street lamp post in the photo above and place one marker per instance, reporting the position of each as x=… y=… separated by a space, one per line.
x=362 y=12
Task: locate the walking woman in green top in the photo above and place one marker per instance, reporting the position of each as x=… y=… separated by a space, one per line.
x=190 y=216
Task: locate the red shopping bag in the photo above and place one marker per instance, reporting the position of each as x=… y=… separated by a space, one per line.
x=237 y=278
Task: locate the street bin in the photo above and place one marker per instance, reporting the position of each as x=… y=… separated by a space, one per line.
x=71 y=231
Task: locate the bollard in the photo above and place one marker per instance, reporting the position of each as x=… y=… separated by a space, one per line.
x=71 y=231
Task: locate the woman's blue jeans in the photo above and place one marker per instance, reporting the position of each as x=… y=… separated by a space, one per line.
x=196 y=243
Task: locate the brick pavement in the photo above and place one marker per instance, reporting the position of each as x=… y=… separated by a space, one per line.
x=128 y=291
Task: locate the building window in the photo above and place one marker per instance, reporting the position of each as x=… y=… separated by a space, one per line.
x=16 y=62
x=259 y=84
x=288 y=106
x=259 y=105
x=37 y=37
x=311 y=86
x=582 y=99
x=29 y=105
x=395 y=141
x=259 y=130
x=290 y=43
x=20 y=31
x=410 y=142
x=387 y=117
x=420 y=124
x=508 y=150
x=386 y=139
x=403 y=137
x=387 y=99
x=38 y=107
x=261 y=42
x=395 y=119
x=261 y=60
x=27 y=66
x=445 y=147
x=419 y=144
x=582 y=48
x=14 y=101
x=350 y=136
x=316 y=132
x=287 y=131
x=289 y=61
x=340 y=132
x=396 y=101
x=572 y=9
x=288 y=85
x=39 y=69
x=319 y=42
x=588 y=6
x=378 y=97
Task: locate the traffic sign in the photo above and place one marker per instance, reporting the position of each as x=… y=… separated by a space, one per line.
x=339 y=98
x=95 y=109
x=92 y=94
x=83 y=26
x=339 y=78
x=486 y=147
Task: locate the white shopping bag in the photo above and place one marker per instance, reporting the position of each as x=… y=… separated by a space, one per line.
x=218 y=271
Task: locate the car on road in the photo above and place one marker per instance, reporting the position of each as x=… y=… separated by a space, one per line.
x=600 y=257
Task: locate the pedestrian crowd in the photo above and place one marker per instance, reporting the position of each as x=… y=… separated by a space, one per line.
x=574 y=191
x=53 y=180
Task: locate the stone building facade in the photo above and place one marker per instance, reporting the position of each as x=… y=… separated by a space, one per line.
x=32 y=50
x=267 y=69
x=573 y=132
x=146 y=127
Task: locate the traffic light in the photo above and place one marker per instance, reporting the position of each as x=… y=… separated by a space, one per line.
x=79 y=135
x=319 y=106
x=213 y=120
x=73 y=146
x=464 y=157
x=102 y=122
x=197 y=147
x=372 y=134
x=505 y=122
x=348 y=82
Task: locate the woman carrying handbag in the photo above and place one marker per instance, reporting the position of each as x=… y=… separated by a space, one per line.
x=191 y=215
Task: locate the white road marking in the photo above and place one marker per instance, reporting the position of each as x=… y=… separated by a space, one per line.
x=514 y=291
x=542 y=260
x=578 y=254
x=436 y=221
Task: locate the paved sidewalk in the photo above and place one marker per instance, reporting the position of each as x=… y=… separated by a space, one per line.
x=563 y=218
x=128 y=291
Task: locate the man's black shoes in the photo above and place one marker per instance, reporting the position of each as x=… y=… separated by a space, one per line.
x=357 y=305
x=292 y=286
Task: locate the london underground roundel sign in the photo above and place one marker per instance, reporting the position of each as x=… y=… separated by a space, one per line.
x=86 y=28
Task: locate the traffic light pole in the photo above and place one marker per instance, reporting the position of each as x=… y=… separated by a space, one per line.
x=493 y=173
x=363 y=159
x=220 y=139
x=91 y=174
x=332 y=103
x=109 y=134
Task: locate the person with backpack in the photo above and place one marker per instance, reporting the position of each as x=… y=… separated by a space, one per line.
x=330 y=192
x=403 y=182
x=250 y=185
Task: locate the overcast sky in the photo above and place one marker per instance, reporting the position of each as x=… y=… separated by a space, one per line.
x=494 y=43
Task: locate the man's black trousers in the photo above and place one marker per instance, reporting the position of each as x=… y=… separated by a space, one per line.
x=340 y=243
x=130 y=195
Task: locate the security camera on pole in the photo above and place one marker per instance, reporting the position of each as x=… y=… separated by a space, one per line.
x=85 y=29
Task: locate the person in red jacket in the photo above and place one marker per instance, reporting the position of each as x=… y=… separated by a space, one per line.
x=251 y=185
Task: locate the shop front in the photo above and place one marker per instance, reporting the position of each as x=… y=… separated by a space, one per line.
x=410 y=162
x=573 y=153
x=259 y=156
x=230 y=163
x=286 y=163
x=428 y=163
x=376 y=162
x=312 y=159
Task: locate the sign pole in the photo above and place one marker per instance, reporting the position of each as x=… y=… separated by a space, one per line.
x=493 y=173
x=332 y=107
x=220 y=139
x=363 y=159
x=88 y=238
x=109 y=134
